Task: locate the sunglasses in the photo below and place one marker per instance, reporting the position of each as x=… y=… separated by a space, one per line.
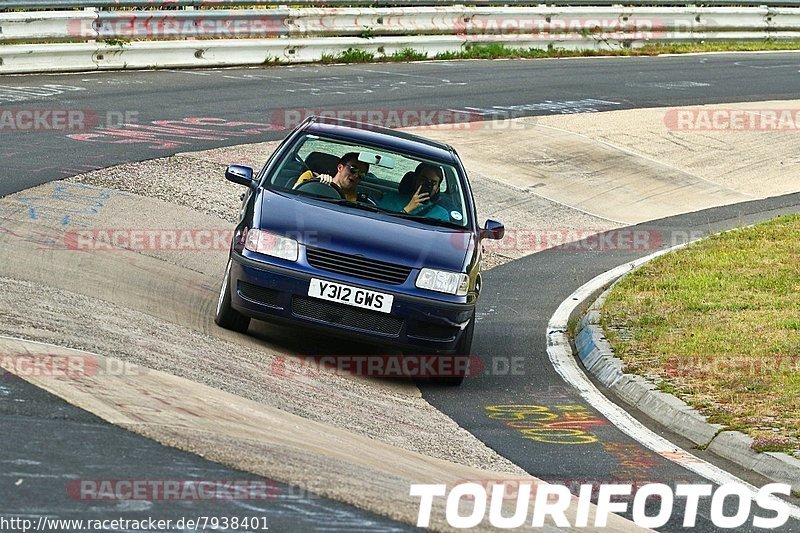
x=356 y=171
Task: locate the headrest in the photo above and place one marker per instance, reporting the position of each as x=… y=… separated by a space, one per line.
x=407 y=184
x=322 y=163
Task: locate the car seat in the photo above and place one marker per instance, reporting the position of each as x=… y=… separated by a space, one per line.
x=406 y=186
x=322 y=163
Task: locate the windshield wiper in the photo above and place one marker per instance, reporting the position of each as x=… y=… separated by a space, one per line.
x=426 y=220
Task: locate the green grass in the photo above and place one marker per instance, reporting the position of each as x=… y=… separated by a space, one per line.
x=498 y=51
x=408 y=54
x=351 y=55
x=501 y=51
x=718 y=322
x=494 y=51
x=354 y=55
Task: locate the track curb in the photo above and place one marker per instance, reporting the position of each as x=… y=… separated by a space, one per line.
x=599 y=359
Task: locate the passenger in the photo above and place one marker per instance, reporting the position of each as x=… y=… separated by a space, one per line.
x=349 y=171
x=421 y=202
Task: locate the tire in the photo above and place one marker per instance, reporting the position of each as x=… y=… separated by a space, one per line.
x=463 y=348
x=226 y=316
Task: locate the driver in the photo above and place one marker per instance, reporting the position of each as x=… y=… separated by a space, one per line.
x=349 y=171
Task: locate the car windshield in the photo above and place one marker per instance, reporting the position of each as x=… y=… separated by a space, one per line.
x=375 y=177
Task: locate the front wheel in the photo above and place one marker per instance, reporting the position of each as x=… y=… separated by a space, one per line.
x=464 y=346
x=227 y=317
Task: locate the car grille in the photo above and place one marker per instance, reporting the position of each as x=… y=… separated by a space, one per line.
x=356 y=266
x=259 y=295
x=345 y=315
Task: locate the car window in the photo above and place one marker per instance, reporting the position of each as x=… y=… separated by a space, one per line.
x=387 y=186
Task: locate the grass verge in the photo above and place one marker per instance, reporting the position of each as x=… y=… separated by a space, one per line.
x=718 y=324
x=501 y=51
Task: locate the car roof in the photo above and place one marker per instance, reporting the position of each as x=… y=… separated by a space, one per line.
x=379 y=136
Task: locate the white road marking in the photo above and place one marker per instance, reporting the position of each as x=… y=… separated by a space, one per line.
x=193 y=72
x=563 y=360
x=669 y=85
x=757 y=67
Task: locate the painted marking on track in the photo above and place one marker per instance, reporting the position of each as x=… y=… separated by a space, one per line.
x=168 y=134
x=67 y=204
x=559 y=424
x=681 y=457
x=41 y=239
x=192 y=72
x=293 y=502
x=634 y=463
x=669 y=85
x=9 y=93
x=566 y=107
x=361 y=85
x=759 y=67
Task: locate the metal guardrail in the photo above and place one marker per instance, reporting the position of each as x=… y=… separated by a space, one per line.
x=472 y=23
x=8 y=5
x=103 y=40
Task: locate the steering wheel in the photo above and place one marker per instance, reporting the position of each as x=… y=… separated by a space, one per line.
x=326 y=190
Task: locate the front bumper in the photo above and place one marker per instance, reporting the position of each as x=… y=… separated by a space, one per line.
x=271 y=292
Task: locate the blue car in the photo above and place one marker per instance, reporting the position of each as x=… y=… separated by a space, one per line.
x=360 y=231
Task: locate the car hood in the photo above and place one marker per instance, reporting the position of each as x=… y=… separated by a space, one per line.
x=357 y=232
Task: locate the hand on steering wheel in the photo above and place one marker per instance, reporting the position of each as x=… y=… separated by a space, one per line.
x=321 y=179
x=327 y=179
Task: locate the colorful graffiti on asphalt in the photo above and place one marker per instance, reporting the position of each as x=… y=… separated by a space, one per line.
x=633 y=461
x=558 y=424
x=67 y=204
x=168 y=134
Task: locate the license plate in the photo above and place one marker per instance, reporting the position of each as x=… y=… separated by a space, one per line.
x=345 y=294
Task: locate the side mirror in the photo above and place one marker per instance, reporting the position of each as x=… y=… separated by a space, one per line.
x=240 y=175
x=493 y=230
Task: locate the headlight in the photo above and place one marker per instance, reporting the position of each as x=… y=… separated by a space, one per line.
x=268 y=243
x=442 y=281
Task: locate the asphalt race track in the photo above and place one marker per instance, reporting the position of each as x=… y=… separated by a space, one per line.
x=46 y=440
x=261 y=95
x=237 y=106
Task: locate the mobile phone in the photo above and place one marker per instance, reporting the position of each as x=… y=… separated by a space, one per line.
x=427 y=187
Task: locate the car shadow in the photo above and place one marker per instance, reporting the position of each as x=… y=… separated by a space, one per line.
x=318 y=348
